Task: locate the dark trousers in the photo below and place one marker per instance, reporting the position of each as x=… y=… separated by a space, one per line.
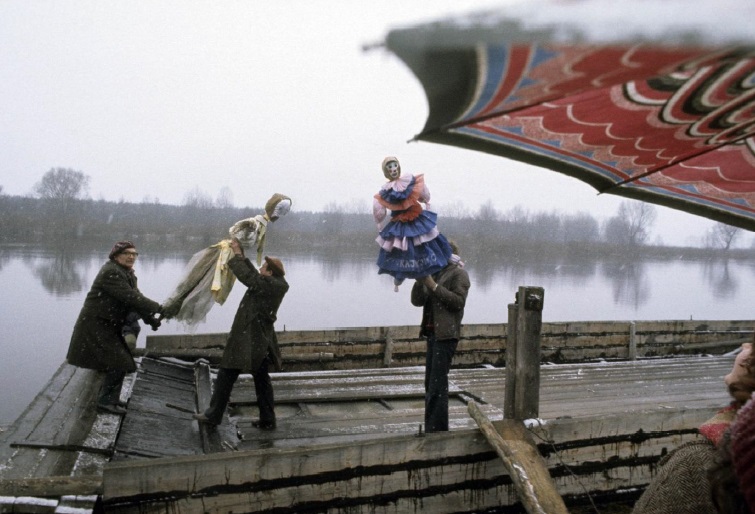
x=110 y=392
x=263 y=387
x=437 y=364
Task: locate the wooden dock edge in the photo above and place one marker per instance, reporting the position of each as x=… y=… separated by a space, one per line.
x=480 y=344
x=439 y=471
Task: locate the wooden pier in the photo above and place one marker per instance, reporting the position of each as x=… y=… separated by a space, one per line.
x=351 y=440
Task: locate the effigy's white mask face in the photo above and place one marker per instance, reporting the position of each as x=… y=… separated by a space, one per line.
x=393 y=170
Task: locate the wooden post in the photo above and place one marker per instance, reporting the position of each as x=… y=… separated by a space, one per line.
x=632 y=341
x=525 y=465
x=523 y=359
x=203 y=384
x=509 y=400
x=388 y=355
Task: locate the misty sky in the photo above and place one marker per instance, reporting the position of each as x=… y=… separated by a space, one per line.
x=155 y=98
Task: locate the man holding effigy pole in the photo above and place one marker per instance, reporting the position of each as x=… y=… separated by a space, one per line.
x=442 y=297
x=252 y=345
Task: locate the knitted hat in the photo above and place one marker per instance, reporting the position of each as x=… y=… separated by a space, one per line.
x=388 y=159
x=277 y=206
x=276 y=266
x=743 y=451
x=119 y=247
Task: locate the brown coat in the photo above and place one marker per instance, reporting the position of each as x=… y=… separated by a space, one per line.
x=445 y=305
x=252 y=334
x=97 y=341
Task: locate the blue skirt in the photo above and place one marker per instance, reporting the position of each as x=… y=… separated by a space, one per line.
x=417 y=261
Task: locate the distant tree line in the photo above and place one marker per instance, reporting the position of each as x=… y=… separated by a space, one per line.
x=62 y=211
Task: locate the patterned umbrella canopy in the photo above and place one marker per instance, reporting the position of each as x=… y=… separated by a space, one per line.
x=664 y=115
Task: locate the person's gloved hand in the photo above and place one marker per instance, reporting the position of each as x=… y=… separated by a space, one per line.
x=154 y=323
x=169 y=310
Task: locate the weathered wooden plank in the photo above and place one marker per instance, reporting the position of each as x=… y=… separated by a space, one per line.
x=445 y=500
x=30 y=417
x=51 y=487
x=337 y=390
x=66 y=421
x=402 y=450
x=428 y=468
x=159 y=421
x=480 y=344
x=203 y=382
x=120 y=481
x=596 y=445
x=28 y=504
x=77 y=504
x=523 y=463
x=353 y=422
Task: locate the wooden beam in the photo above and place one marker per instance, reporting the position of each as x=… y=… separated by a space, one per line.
x=388 y=353
x=528 y=327
x=209 y=435
x=49 y=487
x=509 y=401
x=63 y=447
x=520 y=456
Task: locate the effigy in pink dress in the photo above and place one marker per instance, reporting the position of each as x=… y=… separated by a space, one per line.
x=411 y=246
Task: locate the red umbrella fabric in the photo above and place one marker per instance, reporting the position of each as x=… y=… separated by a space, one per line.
x=667 y=122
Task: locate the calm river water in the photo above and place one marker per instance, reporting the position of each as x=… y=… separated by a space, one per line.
x=42 y=292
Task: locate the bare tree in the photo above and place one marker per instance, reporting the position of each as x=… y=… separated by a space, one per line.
x=722 y=236
x=580 y=227
x=62 y=186
x=198 y=199
x=225 y=198
x=62 y=190
x=632 y=223
x=518 y=215
x=456 y=210
x=488 y=212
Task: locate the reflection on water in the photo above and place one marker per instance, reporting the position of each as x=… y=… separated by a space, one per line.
x=61 y=274
x=629 y=282
x=719 y=277
x=43 y=291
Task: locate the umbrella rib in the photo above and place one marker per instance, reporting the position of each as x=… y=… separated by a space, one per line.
x=661 y=168
x=478 y=119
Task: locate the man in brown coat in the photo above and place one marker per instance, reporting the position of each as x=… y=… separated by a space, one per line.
x=442 y=298
x=97 y=341
x=252 y=345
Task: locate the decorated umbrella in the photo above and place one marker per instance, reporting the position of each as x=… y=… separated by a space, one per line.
x=635 y=98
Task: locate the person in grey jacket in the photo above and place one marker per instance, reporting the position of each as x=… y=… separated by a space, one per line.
x=98 y=338
x=252 y=345
x=442 y=297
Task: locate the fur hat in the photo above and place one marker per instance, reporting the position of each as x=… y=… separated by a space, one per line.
x=275 y=265
x=388 y=159
x=119 y=247
x=277 y=206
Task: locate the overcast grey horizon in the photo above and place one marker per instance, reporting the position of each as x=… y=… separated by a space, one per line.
x=154 y=99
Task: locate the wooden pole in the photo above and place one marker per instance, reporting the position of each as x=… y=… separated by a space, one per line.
x=522 y=400
x=632 y=341
x=203 y=386
x=525 y=465
x=509 y=400
x=388 y=354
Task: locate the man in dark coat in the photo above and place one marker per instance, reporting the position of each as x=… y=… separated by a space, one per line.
x=97 y=341
x=252 y=345
x=442 y=298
